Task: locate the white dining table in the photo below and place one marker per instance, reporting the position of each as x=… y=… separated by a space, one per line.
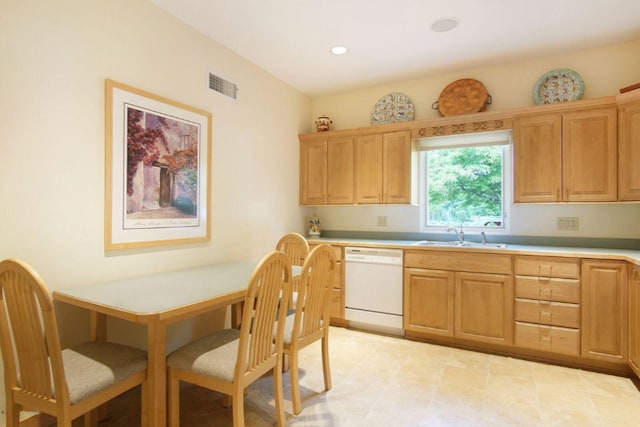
x=157 y=300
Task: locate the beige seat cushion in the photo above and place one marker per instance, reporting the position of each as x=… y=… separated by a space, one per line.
x=93 y=366
x=214 y=355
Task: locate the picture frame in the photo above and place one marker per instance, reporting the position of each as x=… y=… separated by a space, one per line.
x=157 y=170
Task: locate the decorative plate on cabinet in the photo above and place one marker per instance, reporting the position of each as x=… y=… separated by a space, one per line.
x=560 y=85
x=392 y=108
x=463 y=96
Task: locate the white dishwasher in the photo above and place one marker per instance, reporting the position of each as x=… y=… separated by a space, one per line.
x=373 y=289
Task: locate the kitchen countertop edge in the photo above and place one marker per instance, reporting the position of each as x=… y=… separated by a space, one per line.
x=629 y=255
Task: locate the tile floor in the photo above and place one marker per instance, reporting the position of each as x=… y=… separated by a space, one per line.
x=386 y=381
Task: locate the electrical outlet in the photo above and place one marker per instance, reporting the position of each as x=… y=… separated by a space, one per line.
x=567 y=223
x=382 y=221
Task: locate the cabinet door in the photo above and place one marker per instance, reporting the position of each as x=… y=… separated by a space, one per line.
x=589 y=155
x=429 y=301
x=368 y=169
x=634 y=320
x=313 y=172
x=537 y=154
x=337 y=293
x=340 y=171
x=629 y=152
x=604 y=325
x=484 y=307
x=396 y=167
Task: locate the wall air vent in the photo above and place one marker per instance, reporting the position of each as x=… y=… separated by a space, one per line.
x=223 y=86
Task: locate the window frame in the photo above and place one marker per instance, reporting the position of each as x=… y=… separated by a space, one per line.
x=503 y=138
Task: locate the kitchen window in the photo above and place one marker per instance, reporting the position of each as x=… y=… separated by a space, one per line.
x=465 y=181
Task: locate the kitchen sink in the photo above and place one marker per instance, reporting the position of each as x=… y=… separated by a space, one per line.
x=458 y=244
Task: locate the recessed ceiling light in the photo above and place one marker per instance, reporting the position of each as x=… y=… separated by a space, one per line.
x=444 y=24
x=339 y=50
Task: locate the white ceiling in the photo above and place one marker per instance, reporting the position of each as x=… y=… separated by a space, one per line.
x=391 y=40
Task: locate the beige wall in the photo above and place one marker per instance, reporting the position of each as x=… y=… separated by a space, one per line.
x=604 y=70
x=55 y=57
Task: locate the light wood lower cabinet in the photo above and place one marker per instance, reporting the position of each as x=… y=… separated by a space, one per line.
x=634 y=319
x=553 y=339
x=461 y=295
x=429 y=301
x=547 y=304
x=484 y=307
x=337 y=293
x=604 y=310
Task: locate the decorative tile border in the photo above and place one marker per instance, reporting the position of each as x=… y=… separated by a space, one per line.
x=458 y=128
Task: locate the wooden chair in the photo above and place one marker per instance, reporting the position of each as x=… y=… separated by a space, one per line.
x=231 y=359
x=39 y=375
x=310 y=321
x=295 y=246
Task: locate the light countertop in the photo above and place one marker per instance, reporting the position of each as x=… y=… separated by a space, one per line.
x=579 y=252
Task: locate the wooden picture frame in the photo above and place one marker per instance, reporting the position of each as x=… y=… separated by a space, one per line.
x=157 y=170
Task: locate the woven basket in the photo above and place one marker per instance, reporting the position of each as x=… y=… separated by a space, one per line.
x=463 y=96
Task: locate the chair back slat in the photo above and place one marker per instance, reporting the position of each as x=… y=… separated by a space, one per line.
x=295 y=246
x=268 y=291
x=314 y=292
x=28 y=332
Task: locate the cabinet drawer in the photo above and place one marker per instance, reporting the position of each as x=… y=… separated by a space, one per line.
x=548 y=338
x=548 y=289
x=547 y=267
x=459 y=261
x=548 y=313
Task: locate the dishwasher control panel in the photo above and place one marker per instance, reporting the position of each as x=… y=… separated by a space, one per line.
x=373 y=255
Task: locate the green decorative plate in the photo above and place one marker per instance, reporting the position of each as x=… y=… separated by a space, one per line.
x=560 y=85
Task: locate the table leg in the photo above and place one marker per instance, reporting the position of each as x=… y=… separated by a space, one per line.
x=156 y=376
x=236 y=314
x=97 y=326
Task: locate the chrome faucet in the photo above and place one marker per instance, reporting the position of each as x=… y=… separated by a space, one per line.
x=459 y=234
x=484 y=237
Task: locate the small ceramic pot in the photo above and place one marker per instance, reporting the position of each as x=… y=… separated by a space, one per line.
x=323 y=124
x=314 y=227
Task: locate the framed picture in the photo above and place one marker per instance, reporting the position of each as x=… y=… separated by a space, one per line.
x=158 y=169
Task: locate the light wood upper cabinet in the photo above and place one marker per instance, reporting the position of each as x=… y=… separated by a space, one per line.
x=383 y=168
x=396 y=167
x=569 y=156
x=368 y=169
x=340 y=171
x=590 y=155
x=629 y=146
x=537 y=154
x=604 y=310
x=326 y=171
x=313 y=172
x=634 y=319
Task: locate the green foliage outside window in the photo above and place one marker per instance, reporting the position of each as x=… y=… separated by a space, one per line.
x=464 y=186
